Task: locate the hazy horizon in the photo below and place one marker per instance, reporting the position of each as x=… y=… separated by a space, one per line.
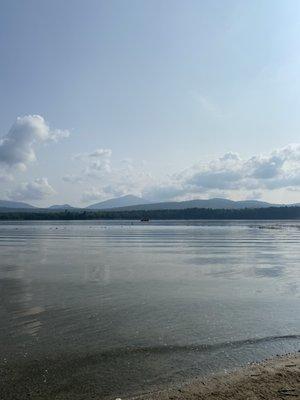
x=164 y=100
x=132 y=202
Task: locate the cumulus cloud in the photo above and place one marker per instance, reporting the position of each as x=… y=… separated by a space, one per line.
x=17 y=147
x=96 y=161
x=106 y=179
x=95 y=165
x=230 y=173
x=35 y=190
x=215 y=179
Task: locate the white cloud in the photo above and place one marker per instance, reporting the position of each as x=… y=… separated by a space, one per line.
x=36 y=190
x=17 y=147
x=92 y=194
x=109 y=191
x=276 y=169
x=230 y=156
x=164 y=191
x=107 y=180
x=72 y=179
x=100 y=153
x=95 y=166
x=230 y=174
x=227 y=179
x=98 y=161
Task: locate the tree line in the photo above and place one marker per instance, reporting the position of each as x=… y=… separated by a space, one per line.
x=189 y=213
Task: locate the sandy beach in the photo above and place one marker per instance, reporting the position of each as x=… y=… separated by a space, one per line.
x=278 y=378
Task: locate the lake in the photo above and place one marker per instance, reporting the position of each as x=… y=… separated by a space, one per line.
x=96 y=309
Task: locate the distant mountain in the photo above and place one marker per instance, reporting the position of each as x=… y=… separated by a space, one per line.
x=210 y=203
x=123 y=201
x=14 y=204
x=61 y=207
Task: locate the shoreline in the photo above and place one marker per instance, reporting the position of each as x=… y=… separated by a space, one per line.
x=276 y=378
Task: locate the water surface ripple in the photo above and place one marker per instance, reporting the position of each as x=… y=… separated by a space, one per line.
x=113 y=308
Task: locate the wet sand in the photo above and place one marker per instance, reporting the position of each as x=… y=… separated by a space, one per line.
x=278 y=378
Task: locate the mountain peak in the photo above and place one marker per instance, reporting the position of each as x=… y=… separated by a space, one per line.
x=123 y=201
x=60 y=207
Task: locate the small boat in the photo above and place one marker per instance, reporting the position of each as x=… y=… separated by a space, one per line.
x=145 y=219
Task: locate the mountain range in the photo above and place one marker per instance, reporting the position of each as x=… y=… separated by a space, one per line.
x=131 y=202
x=199 y=203
x=15 y=204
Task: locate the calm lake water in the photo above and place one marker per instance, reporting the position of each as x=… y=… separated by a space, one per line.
x=107 y=309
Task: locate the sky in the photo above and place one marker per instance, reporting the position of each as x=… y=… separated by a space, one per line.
x=168 y=100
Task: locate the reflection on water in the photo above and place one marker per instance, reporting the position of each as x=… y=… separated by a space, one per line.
x=16 y=297
x=109 y=308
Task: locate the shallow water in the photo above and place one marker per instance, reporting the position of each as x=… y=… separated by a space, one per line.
x=114 y=308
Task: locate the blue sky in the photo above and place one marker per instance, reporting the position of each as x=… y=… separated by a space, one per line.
x=165 y=99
